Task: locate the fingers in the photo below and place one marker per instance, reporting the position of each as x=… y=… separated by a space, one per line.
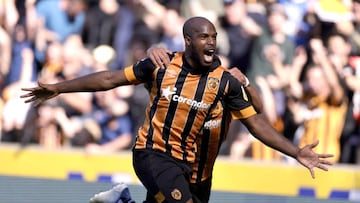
x=231 y=71
x=164 y=58
x=325 y=155
x=322 y=164
x=35 y=100
x=27 y=95
x=312 y=173
x=32 y=89
x=326 y=162
x=156 y=60
x=29 y=89
x=159 y=56
x=235 y=70
x=159 y=59
x=313 y=145
x=30 y=100
x=322 y=167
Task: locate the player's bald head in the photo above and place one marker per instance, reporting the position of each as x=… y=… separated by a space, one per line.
x=193 y=24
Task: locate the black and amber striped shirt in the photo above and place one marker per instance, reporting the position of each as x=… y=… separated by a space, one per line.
x=180 y=100
x=209 y=142
x=212 y=136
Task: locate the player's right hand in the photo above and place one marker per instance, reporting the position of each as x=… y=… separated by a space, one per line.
x=39 y=94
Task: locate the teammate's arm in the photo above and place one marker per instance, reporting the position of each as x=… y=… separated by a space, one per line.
x=159 y=56
x=255 y=98
x=250 y=90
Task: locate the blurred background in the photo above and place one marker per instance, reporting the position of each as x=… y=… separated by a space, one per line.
x=301 y=55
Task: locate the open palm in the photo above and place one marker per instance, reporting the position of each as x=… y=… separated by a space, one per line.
x=307 y=157
x=39 y=94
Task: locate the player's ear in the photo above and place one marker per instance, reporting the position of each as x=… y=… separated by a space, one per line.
x=187 y=39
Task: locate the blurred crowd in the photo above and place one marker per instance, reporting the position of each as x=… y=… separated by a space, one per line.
x=303 y=56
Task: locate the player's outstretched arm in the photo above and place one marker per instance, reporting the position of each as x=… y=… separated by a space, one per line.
x=262 y=130
x=99 y=81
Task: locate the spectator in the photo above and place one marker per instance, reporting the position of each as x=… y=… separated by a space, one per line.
x=81 y=129
x=273 y=51
x=5 y=53
x=190 y=8
x=54 y=61
x=18 y=68
x=62 y=121
x=77 y=61
x=166 y=17
x=322 y=105
x=9 y=15
x=172 y=37
x=351 y=28
x=294 y=90
x=149 y=15
x=350 y=139
x=14 y=112
x=295 y=11
x=20 y=42
x=62 y=18
x=111 y=113
x=16 y=36
x=310 y=26
x=241 y=27
x=271 y=58
x=347 y=68
x=109 y=23
x=259 y=150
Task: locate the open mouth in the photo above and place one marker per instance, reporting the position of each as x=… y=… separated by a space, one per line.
x=208 y=55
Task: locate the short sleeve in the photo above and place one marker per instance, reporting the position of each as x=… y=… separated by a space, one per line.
x=141 y=72
x=238 y=102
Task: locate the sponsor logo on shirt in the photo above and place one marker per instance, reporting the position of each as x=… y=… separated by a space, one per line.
x=211 y=124
x=170 y=95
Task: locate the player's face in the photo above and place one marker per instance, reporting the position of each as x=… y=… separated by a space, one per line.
x=202 y=45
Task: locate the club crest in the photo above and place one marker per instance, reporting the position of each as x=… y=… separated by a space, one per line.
x=176 y=194
x=213 y=84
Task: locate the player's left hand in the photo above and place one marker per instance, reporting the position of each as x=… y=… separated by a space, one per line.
x=307 y=157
